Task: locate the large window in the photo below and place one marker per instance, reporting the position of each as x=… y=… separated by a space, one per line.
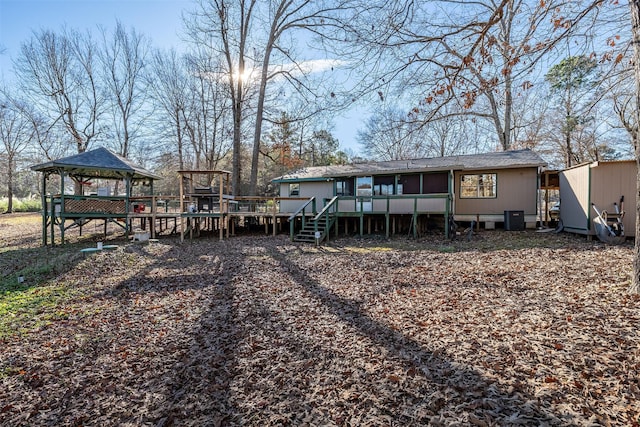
x=383 y=185
x=478 y=186
x=410 y=184
x=437 y=182
x=344 y=187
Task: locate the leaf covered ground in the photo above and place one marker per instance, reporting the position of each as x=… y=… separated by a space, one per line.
x=511 y=328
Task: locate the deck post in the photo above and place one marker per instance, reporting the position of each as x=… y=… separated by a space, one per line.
x=415 y=217
x=386 y=226
x=274 y=216
x=153 y=213
x=221 y=183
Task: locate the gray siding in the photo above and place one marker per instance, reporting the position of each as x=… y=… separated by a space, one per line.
x=320 y=190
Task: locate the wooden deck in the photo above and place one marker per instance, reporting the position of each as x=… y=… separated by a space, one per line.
x=161 y=216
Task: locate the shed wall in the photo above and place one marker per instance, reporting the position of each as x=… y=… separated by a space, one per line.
x=574 y=199
x=611 y=180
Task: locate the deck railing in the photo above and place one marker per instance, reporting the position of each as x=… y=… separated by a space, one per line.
x=359 y=206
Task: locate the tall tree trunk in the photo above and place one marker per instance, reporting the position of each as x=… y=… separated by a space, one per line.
x=634 y=5
x=508 y=107
x=10 y=186
x=237 y=146
x=257 y=135
x=567 y=147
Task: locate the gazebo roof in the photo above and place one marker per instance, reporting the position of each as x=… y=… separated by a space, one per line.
x=98 y=163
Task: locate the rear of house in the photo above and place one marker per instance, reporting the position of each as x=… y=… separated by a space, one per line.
x=397 y=194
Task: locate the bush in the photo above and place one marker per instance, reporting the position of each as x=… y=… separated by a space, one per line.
x=21 y=205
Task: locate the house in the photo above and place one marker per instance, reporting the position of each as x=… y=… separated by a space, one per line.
x=601 y=184
x=485 y=188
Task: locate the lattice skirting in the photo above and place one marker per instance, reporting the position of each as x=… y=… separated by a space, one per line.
x=95 y=206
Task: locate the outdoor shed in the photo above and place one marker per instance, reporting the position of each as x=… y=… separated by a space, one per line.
x=599 y=183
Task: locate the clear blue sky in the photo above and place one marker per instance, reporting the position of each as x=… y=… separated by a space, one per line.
x=160 y=20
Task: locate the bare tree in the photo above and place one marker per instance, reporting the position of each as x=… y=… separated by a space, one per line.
x=208 y=121
x=168 y=85
x=223 y=27
x=123 y=57
x=288 y=16
x=57 y=72
x=389 y=136
x=477 y=55
x=251 y=35
x=16 y=133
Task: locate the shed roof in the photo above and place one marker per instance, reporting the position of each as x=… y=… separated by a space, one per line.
x=98 y=163
x=497 y=160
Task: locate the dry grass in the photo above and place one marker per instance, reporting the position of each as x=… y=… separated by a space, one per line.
x=508 y=329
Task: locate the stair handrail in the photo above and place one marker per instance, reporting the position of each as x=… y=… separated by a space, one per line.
x=326 y=208
x=325 y=212
x=301 y=209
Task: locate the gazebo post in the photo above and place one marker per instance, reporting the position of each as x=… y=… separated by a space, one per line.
x=152 y=226
x=45 y=213
x=62 y=217
x=127 y=181
x=180 y=207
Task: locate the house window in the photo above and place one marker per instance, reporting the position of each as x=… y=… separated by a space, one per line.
x=474 y=186
x=434 y=183
x=383 y=185
x=294 y=189
x=344 y=187
x=410 y=184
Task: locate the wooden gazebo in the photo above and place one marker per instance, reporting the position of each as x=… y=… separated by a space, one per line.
x=79 y=209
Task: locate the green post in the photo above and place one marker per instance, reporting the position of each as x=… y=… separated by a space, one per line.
x=62 y=210
x=291 y=229
x=415 y=217
x=386 y=217
x=43 y=198
x=53 y=221
x=447 y=207
x=126 y=206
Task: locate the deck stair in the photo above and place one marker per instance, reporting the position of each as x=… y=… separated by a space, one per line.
x=308 y=232
x=321 y=223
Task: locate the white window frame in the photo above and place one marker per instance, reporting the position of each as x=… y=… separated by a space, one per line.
x=479 y=186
